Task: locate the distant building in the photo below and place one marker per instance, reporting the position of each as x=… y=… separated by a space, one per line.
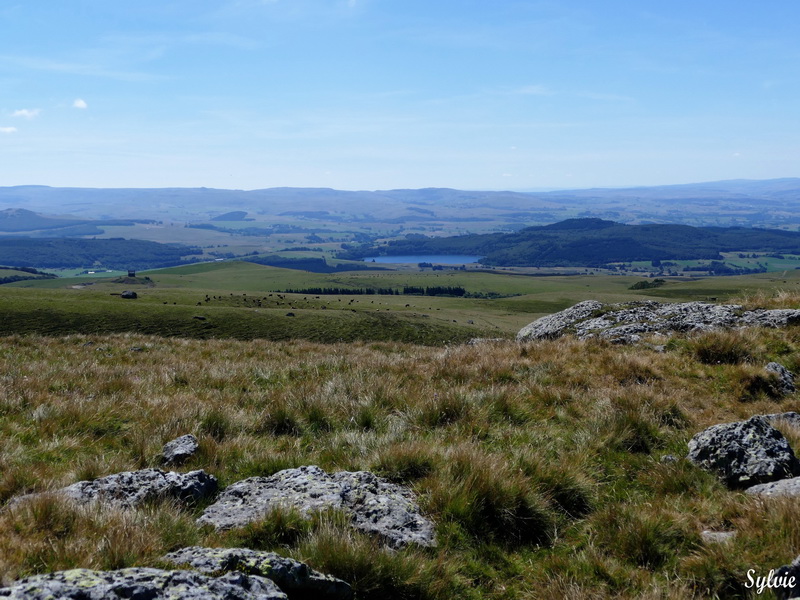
x=131 y=273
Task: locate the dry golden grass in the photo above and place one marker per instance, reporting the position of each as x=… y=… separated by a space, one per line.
x=539 y=462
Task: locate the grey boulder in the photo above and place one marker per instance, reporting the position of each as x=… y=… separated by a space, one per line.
x=142 y=584
x=179 y=450
x=374 y=504
x=130 y=489
x=293 y=577
x=744 y=453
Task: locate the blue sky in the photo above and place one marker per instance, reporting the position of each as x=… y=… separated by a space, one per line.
x=379 y=94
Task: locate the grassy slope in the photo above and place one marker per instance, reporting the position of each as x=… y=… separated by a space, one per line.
x=539 y=463
x=168 y=303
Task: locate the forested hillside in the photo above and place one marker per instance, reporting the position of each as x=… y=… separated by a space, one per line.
x=593 y=242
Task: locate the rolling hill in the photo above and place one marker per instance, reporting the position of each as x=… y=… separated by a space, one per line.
x=593 y=242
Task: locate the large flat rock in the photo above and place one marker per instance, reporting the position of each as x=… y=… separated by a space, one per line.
x=374 y=504
x=627 y=322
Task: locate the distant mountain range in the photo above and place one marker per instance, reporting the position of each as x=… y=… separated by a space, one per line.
x=767 y=203
x=592 y=242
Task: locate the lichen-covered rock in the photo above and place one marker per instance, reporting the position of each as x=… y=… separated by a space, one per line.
x=785 y=377
x=744 y=453
x=179 y=450
x=293 y=577
x=141 y=584
x=131 y=488
x=375 y=505
x=628 y=322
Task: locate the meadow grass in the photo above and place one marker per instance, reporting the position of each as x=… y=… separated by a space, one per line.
x=539 y=463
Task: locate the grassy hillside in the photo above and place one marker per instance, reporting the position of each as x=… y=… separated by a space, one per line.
x=540 y=464
x=240 y=300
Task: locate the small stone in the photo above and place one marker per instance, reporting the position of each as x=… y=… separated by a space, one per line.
x=717 y=537
x=785 y=378
x=179 y=450
x=129 y=295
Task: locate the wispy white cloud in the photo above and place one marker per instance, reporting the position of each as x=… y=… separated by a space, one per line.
x=534 y=90
x=80 y=103
x=26 y=113
x=8 y=130
x=46 y=64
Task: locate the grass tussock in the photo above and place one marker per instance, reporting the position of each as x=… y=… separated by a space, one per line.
x=540 y=464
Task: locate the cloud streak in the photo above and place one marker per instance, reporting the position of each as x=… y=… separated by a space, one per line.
x=26 y=113
x=80 y=103
x=8 y=130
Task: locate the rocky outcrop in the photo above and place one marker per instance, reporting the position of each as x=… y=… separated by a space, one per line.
x=744 y=453
x=628 y=322
x=375 y=505
x=131 y=488
x=296 y=579
x=179 y=450
x=142 y=584
x=785 y=378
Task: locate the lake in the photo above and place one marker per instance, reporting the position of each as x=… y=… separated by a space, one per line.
x=441 y=259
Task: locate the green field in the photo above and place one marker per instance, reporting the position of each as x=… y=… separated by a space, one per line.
x=243 y=301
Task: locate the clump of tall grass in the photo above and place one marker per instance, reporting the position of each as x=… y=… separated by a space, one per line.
x=489 y=500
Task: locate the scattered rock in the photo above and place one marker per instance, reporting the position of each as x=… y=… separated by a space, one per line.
x=785 y=377
x=142 y=584
x=294 y=578
x=669 y=459
x=784 y=487
x=179 y=450
x=717 y=537
x=199 y=317
x=131 y=488
x=744 y=453
x=129 y=295
x=376 y=505
x=627 y=322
